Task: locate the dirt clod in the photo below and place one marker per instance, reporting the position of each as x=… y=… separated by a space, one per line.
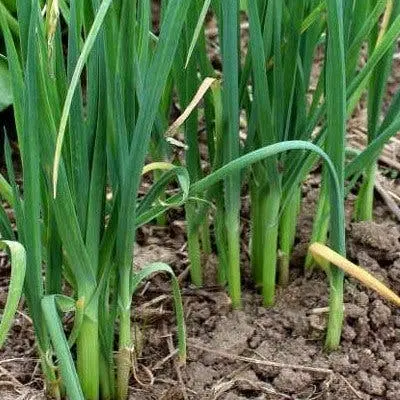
x=289 y=381
x=380 y=241
x=372 y=384
x=231 y=334
x=380 y=314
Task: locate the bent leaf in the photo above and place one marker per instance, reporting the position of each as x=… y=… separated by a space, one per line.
x=158 y=189
x=158 y=268
x=18 y=267
x=206 y=84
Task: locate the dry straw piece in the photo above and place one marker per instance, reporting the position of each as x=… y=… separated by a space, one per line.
x=323 y=255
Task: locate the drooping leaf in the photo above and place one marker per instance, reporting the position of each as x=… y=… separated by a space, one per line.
x=18 y=267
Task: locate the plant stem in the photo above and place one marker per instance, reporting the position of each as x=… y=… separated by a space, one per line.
x=365 y=200
x=272 y=205
x=335 y=321
x=88 y=358
x=220 y=240
x=287 y=234
x=124 y=354
x=125 y=337
x=231 y=143
x=205 y=236
x=194 y=253
x=257 y=235
x=52 y=382
x=376 y=93
x=106 y=379
x=336 y=124
x=321 y=223
x=232 y=234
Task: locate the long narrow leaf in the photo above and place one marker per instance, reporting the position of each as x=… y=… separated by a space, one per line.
x=68 y=371
x=18 y=267
x=74 y=83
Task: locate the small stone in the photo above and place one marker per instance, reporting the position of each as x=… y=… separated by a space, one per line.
x=381 y=241
x=246 y=380
x=353 y=356
x=261 y=311
x=231 y=334
x=233 y=396
x=388 y=356
x=200 y=375
x=362 y=329
x=394 y=271
x=387 y=333
x=367 y=360
x=396 y=346
x=391 y=371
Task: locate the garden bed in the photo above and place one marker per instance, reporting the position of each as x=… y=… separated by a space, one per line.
x=256 y=352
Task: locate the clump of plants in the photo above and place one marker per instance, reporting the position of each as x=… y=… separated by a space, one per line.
x=270 y=86
x=81 y=139
x=92 y=89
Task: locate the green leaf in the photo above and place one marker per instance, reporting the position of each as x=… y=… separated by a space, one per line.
x=6 y=191
x=156 y=268
x=160 y=185
x=10 y=18
x=249 y=159
x=197 y=31
x=94 y=31
x=18 y=267
x=6 y=97
x=68 y=371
